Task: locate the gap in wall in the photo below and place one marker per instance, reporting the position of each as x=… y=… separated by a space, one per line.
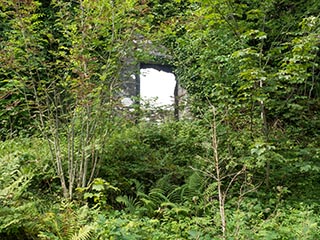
x=157 y=87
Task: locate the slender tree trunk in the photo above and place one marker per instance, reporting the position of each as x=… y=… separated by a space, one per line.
x=221 y=194
x=263 y=114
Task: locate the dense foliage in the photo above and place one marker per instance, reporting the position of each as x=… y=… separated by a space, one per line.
x=77 y=164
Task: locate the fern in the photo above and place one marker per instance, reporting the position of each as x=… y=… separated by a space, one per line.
x=130 y=203
x=165 y=183
x=175 y=195
x=138 y=186
x=176 y=208
x=84 y=233
x=158 y=195
x=194 y=186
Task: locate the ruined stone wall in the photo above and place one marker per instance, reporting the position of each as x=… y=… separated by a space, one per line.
x=130 y=75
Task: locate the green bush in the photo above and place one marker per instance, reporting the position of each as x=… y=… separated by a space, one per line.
x=281 y=222
x=127 y=226
x=24 y=170
x=148 y=151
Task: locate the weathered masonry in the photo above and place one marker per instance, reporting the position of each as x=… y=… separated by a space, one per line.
x=132 y=85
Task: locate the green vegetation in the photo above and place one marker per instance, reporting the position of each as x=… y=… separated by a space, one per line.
x=77 y=164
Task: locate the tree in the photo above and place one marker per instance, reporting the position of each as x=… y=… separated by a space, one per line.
x=258 y=66
x=64 y=60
